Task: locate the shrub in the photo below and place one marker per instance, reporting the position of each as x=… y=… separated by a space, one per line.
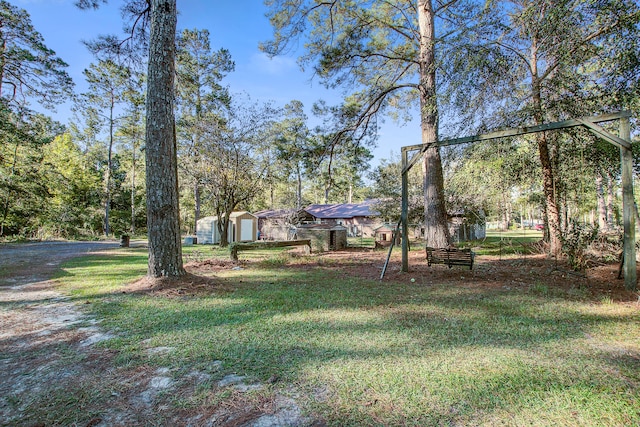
x=575 y=242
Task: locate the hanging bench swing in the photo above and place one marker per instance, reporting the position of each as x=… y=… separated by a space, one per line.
x=450 y=257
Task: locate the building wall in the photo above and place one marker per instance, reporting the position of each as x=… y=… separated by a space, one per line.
x=237 y=222
x=206 y=229
x=356 y=226
x=321 y=238
x=275 y=229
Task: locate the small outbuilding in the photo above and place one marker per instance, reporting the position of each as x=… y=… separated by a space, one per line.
x=243 y=227
x=384 y=235
x=324 y=237
x=205 y=229
x=276 y=224
x=465 y=226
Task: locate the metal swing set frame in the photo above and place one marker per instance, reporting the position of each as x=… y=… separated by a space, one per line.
x=623 y=142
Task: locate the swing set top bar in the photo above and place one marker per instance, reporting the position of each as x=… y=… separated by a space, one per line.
x=585 y=121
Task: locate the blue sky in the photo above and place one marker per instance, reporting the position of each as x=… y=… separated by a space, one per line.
x=238 y=26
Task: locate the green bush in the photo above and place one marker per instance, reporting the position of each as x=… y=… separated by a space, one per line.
x=575 y=242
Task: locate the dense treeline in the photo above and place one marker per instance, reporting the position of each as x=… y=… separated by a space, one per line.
x=504 y=64
x=87 y=179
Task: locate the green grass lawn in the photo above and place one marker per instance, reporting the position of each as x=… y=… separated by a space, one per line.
x=364 y=352
x=505 y=243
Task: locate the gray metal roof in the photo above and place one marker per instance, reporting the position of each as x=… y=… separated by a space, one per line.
x=276 y=213
x=343 y=210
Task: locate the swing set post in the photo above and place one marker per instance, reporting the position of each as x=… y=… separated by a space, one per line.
x=405 y=213
x=629 y=249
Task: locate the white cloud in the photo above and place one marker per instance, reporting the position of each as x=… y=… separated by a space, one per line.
x=278 y=65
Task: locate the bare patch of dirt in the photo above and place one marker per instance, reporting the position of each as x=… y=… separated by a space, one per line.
x=597 y=283
x=488 y=272
x=187 y=285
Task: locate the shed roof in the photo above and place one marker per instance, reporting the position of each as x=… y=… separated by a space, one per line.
x=343 y=210
x=240 y=213
x=275 y=213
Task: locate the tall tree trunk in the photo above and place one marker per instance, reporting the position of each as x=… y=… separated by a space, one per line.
x=163 y=212
x=436 y=229
x=548 y=184
x=133 y=187
x=196 y=152
x=107 y=203
x=299 y=187
x=272 y=196
x=601 y=202
x=3 y=48
x=5 y=210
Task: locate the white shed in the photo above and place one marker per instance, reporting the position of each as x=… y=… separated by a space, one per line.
x=207 y=226
x=243 y=227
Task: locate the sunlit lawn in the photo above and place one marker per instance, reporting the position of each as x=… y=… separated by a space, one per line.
x=365 y=352
x=505 y=243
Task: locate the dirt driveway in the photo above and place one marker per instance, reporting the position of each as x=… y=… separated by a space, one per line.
x=27 y=263
x=50 y=365
x=36 y=337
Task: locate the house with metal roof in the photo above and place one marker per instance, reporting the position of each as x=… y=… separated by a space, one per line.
x=360 y=219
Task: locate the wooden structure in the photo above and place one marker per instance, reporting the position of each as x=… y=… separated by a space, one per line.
x=324 y=237
x=235 y=247
x=450 y=257
x=623 y=141
x=384 y=235
x=276 y=224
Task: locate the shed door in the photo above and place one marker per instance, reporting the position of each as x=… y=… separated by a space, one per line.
x=246 y=230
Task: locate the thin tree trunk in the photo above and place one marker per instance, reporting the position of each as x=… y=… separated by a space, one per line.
x=107 y=204
x=163 y=212
x=3 y=48
x=601 y=202
x=5 y=209
x=299 y=188
x=436 y=228
x=133 y=187
x=196 y=209
x=272 y=196
x=197 y=143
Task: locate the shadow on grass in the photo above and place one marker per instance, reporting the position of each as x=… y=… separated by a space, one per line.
x=471 y=351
